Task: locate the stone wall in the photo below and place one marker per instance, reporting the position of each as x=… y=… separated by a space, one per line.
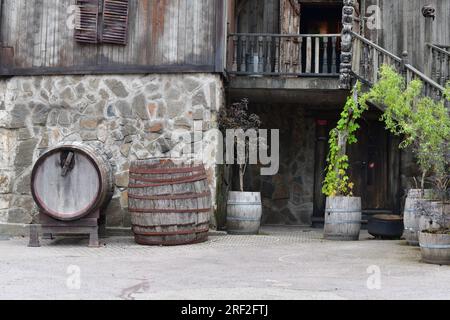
x=130 y=117
x=288 y=196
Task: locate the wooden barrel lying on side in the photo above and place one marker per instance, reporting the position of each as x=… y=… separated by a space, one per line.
x=169 y=202
x=342 y=218
x=244 y=210
x=71 y=180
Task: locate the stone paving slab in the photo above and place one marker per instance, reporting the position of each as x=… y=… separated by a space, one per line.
x=287 y=263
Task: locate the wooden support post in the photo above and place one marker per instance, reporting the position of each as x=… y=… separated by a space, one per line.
x=277 y=55
x=405 y=61
x=317 y=55
x=243 y=53
x=325 y=55
x=308 y=54
x=333 y=55
x=34 y=236
x=300 y=49
x=261 y=54
x=346 y=44
x=428 y=50
x=269 y=54
x=234 y=66
x=322 y=130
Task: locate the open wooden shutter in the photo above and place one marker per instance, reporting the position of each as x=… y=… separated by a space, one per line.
x=115 y=21
x=289 y=24
x=86 y=28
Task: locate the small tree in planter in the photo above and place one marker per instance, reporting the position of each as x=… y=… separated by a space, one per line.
x=434 y=235
x=424 y=125
x=244 y=209
x=343 y=211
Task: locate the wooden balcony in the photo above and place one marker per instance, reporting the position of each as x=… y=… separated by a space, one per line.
x=301 y=55
x=285 y=68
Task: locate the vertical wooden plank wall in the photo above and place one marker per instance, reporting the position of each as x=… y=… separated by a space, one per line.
x=403 y=23
x=256 y=16
x=161 y=33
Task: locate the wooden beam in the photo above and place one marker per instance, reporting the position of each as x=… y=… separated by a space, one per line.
x=113 y=69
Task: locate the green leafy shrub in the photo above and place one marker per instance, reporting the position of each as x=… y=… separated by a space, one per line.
x=423 y=123
x=337 y=182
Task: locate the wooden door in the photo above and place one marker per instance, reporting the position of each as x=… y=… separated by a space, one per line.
x=369 y=166
x=289 y=47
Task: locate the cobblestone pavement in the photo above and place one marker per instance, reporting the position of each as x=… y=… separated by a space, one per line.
x=281 y=263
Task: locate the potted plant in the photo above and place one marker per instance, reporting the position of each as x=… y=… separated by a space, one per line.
x=343 y=210
x=434 y=235
x=244 y=209
x=405 y=116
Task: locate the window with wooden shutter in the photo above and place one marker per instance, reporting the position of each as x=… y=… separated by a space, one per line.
x=102 y=21
x=86 y=29
x=115 y=22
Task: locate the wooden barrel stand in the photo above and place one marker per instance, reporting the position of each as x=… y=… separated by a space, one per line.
x=71 y=184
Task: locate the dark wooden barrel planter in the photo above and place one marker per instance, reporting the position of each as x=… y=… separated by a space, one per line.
x=412 y=214
x=244 y=210
x=342 y=218
x=169 y=202
x=71 y=180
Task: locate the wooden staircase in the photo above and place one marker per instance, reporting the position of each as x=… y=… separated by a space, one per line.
x=368 y=57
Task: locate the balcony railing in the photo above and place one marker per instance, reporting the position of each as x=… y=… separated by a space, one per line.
x=284 y=54
x=438 y=67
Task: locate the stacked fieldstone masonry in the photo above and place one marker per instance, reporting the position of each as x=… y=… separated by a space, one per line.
x=129 y=117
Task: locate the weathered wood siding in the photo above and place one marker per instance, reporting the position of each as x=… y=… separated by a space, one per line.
x=163 y=34
x=256 y=16
x=403 y=26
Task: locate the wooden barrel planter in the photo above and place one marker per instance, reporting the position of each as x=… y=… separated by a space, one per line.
x=342 y=218
x=169 y=202
x=435 y=248
x=435 y=215
x=244 y=210
x=412 y=214
x=71 y=181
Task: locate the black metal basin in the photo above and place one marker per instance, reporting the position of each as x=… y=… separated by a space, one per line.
x=386 y=226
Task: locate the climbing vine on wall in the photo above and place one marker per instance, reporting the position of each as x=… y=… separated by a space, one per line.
x=337 y=182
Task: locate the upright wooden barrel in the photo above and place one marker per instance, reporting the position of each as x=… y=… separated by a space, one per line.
x=169 y=202
x=412 y=214
x=71 y=180
x=435 y=248
x=244 y=210
x=342 y=218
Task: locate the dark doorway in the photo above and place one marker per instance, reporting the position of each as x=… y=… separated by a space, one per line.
x=321 y=18
x=374 y=166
